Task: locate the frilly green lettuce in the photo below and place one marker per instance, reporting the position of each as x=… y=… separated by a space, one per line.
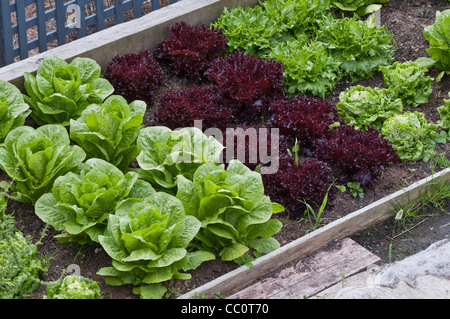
x=364 y=106
x=411 y=135
x=408 y=82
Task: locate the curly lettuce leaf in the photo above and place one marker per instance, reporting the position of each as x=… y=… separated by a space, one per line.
x=73 y=287
x=411 y=135
x=357 y=44
x=20 y=266
x=309 y=68
x=249 y=29
x=364 y=106
x=408 y=82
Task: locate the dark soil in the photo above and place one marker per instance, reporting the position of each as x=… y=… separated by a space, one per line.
x=406 y=20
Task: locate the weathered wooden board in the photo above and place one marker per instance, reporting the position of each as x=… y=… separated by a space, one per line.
x=241 y=277
x=312 y=274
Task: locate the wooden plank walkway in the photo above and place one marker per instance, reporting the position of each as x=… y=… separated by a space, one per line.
x=313 y=274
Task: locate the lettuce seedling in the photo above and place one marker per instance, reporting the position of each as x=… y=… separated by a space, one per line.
x=165 y=154
x=362 y=107
x=61 y=91
x=73 y=287
x=148 y=242
x=13 y=109
x=411 y=135
x=408 y=82
x=235 y=214
x=34 y=158
x=109 y=130
x=80 y=203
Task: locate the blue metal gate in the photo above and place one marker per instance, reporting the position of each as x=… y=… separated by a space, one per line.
x=27 y=25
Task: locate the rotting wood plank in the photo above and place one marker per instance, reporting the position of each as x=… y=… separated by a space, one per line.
x=374 y=213
x=312 y=274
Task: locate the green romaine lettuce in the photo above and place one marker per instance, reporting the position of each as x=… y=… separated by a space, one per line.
x=61 y=91
x=438 y=36
x=234 y=212
x=147 y=242
x=408 y=82
x=13 y=109
x=34 y=158
x=411 y=135
x=73 y=287
x=109 y=131
x=364 y=106
x=165 y=154
x=80 y=203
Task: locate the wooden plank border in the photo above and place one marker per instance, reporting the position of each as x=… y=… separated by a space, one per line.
x=376 y=212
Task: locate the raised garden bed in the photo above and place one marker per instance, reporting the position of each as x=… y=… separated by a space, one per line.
x=344 y=215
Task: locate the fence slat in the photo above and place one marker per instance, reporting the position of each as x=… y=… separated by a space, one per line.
x=60 y=22
x=137 y=8
x=99 y=14
x=49 y=30
x=5 y=12
x=155 y=4
x=82 y=28
x=118 y=10
x=22 y=29
x=41 y=25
